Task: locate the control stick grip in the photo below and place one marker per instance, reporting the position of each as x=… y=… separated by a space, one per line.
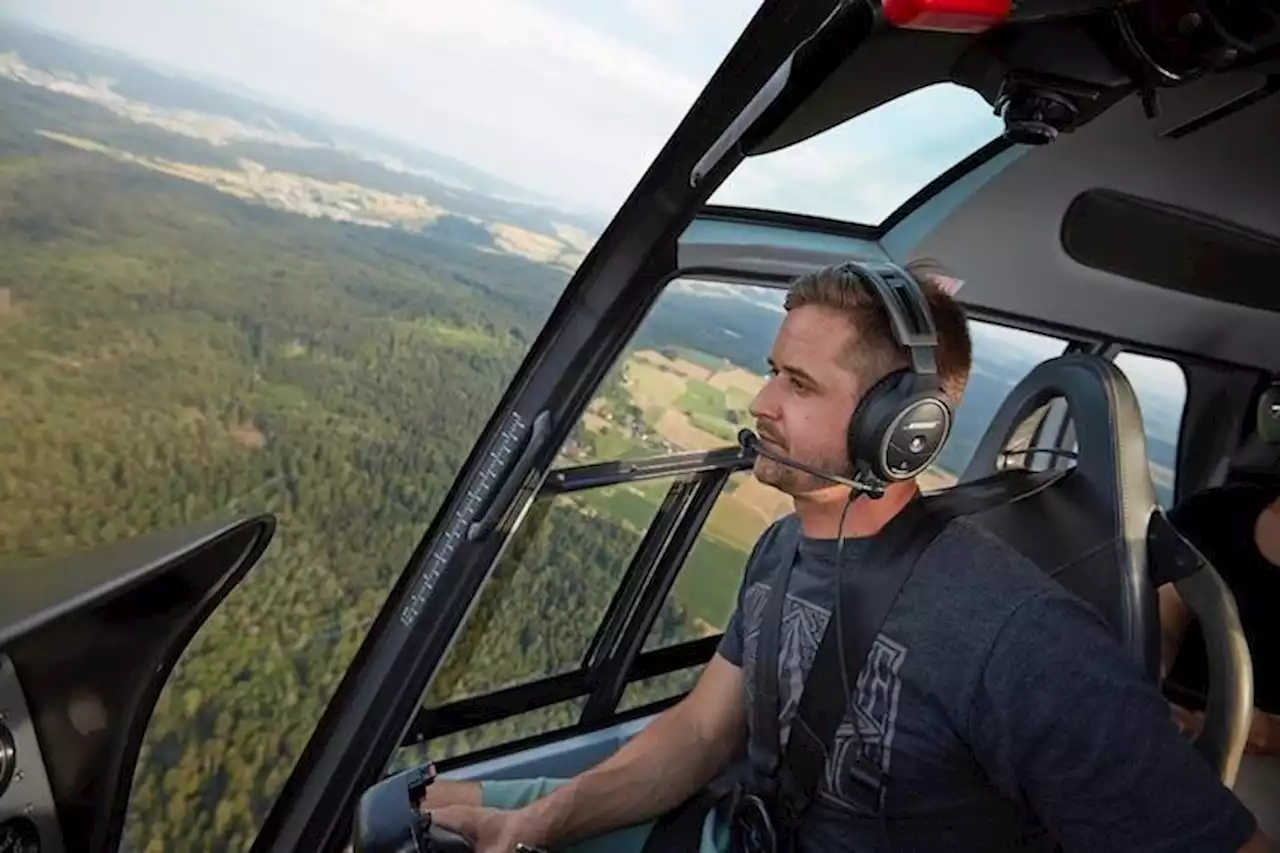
x=441 y=840
x=389 y=818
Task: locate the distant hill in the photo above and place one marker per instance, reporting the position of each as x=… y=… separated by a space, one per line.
x=400 y=160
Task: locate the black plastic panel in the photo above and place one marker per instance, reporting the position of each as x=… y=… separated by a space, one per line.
x=1172 y=248
x=102 y=630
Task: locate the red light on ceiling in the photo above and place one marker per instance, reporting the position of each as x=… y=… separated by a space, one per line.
x=948 y=16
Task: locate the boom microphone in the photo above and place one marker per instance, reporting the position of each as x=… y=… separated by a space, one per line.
x=750 y=442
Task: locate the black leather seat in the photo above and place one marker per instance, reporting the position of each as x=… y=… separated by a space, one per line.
x=1096 y=527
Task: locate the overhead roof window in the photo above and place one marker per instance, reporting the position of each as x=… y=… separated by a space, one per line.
x=865 y=169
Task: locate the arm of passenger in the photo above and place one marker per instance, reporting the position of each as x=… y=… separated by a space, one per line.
x=1175 y=618
x=1063 y=720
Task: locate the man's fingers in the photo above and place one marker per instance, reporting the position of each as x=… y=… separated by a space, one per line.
x=461 y=819
x=1187 y=721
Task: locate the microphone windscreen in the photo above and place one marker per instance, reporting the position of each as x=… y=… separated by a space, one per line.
x=747 y=439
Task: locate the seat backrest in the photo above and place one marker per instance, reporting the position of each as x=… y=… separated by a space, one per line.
x=1086 y=526
x=1096 y=528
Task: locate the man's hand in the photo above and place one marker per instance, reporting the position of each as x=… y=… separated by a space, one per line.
x=1264 y=729
x=491 y=830
x=1264 y=734
x=1188 y=722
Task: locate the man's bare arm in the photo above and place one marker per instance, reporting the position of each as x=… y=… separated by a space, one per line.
x=672 y=759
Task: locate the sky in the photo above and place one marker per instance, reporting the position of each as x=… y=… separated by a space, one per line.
x=571 y=99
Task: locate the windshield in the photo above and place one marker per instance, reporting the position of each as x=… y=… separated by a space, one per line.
x=863 y=170
x=285 y=257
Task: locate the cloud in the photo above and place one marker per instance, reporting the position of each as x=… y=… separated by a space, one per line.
x=865 y=168
x=566 y=107
x=570 y=98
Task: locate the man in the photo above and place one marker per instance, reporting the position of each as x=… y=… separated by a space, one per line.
x=1237 y=528
x=995 y=711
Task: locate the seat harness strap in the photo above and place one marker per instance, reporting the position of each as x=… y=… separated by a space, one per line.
x=767 y=807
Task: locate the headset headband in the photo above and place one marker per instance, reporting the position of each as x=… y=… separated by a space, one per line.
x=909 y=316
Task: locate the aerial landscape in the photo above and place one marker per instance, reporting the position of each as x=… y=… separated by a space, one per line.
x=209 y=305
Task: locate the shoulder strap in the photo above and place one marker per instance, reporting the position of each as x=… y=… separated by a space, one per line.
x=762 y=745
x=867 y=597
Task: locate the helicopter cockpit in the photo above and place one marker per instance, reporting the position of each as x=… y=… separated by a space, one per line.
x=1126 y=210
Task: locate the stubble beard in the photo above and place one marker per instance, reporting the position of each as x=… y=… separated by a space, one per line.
x=791 y=481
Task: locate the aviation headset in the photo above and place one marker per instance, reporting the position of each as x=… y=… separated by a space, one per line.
x=903 y=421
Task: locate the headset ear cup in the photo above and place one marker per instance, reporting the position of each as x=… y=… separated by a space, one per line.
x=899 y=427
x=877 y=409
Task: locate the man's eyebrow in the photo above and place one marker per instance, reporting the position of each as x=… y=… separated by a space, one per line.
x=795 y=371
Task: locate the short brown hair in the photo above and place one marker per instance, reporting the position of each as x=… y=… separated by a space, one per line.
x=873 y=352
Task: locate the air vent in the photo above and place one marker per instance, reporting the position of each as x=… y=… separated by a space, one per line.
x=1173 y=248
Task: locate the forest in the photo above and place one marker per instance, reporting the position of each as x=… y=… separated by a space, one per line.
x=168 y=353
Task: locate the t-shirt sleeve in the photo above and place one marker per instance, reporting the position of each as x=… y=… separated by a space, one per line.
x=731 y=644
x=1064 y=721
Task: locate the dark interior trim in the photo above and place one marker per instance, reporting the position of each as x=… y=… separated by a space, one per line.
x=431 y=723
x=1129 y=236
x=134 y=608
x=597 y=475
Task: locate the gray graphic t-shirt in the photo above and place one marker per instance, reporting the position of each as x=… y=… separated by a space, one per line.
x=994 y=713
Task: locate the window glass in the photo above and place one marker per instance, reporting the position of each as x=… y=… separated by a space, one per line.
x=256 y=260
x=542 y=606
x=863 y=170
x=706 y=591
x=1002 y=357
x=1161 y=387
x=687 y=379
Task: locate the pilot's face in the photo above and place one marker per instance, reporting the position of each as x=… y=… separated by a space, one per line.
x=803 y=411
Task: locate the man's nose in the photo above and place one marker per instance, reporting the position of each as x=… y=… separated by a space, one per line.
x=763 y=405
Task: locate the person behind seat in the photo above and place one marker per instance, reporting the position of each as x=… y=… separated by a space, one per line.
x=1237 y=528
x=995 y=711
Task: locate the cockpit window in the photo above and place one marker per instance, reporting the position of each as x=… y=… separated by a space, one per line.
x=1161 y=388
x=865 y=169
x=259 y=257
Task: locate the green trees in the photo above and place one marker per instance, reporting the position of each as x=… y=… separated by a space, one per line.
x=169 y=353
